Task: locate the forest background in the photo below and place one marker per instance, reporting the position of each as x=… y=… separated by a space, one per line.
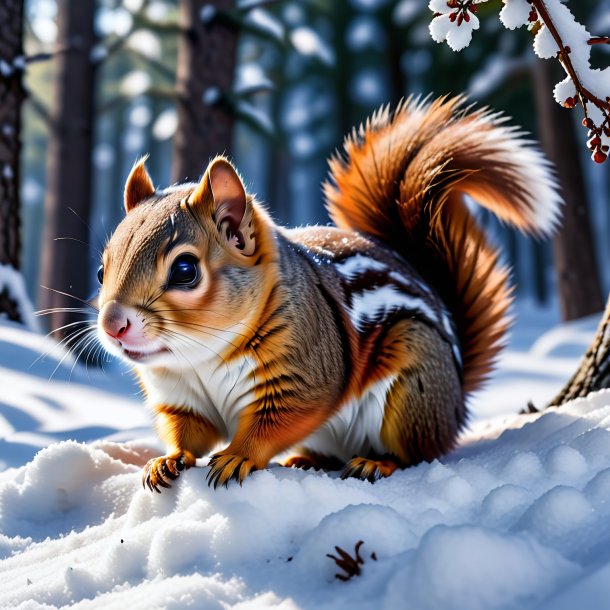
x=276 y=85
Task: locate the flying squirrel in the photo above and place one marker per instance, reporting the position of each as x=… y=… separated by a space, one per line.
x=355 y=345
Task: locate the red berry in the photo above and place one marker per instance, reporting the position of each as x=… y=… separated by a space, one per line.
x=466 y=17
x=587 y=122
x=533 y=16
x=598 y=156
x=452 y=17
x=594 y=142
x=605 y=147
x=569 y=103
x=473 y=8
x=460 y=19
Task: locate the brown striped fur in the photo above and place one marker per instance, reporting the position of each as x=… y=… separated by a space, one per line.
x=358 y=339
x=402 y=180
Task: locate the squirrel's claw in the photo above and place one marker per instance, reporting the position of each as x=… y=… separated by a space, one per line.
x=225 y=467
x=368 y=470
x=161 y=471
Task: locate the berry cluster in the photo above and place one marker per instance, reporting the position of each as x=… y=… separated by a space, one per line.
x=533 y=16
x=461 y=12
x=599 y=150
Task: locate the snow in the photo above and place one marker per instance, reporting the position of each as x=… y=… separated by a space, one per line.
x=544 y=44
x=457 y=33
x=405 y=12
x=310 y=44
x=135 y=83
x=266 y=23
x=516 y=517
x=365 y=33
x=367 y=87
x=515 y=13
x=145 y=42
x=165 y=124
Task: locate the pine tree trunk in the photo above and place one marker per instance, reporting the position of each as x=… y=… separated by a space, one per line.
x=594 y=371
x=207 y=54
x=65 y=263
x=575 y=263
x=11 y=97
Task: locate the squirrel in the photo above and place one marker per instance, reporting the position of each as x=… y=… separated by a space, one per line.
x=356 y=344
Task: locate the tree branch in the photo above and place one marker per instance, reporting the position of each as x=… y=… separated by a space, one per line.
x=584 y=95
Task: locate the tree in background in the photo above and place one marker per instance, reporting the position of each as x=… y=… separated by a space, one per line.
x=64 y=261
x=305 y=72
x=13 y=301
x=207 y=54
x=576 y=268
x=593 y=373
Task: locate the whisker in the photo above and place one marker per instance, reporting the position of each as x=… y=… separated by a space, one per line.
x=269 y=340
x=90 y=340
x=206 y=329
x=79 y=333
x=67 y=294
x=91 y=231
x=191 y=340
x=59 y=343
x=203 y=310
x=80 y=241
x=46 y=312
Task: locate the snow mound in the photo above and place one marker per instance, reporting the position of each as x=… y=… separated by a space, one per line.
x=512 y=519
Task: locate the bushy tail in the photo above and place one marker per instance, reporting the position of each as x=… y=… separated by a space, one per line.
x=402 y=179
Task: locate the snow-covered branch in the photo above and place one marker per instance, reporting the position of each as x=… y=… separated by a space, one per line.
x=557 y=34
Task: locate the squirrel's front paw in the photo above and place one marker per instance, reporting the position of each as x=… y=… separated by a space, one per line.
x=369 y=470
x=227 y=466
x=162 y=470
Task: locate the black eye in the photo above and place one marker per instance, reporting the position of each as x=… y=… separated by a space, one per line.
x=184 y=272
x=100 y=274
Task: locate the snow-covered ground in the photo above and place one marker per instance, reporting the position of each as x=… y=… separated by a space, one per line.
x=517 y=517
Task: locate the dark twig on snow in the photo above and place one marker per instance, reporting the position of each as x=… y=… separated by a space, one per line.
x=350 y=565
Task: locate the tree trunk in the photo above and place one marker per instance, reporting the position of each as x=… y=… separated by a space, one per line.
x=594 y=371
x=11 y=97
x=64 y=265
x=207 y=54
x=577 y=272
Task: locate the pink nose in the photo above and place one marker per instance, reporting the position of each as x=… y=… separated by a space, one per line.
x=114 y=320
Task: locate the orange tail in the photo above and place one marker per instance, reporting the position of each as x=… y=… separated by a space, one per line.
x=402 y=179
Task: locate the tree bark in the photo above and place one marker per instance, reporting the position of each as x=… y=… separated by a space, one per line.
x=594 y=371
x=207 y=54
x=64 y=265
x=578 y=282
x=11 y=97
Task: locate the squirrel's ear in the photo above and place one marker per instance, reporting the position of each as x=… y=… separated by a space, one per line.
x=139 y=186
x=222 y=187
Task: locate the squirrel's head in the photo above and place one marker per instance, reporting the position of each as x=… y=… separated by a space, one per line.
x=182 y=271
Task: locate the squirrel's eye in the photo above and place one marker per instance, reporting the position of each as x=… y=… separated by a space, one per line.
x=184 y=272
x=100 y=274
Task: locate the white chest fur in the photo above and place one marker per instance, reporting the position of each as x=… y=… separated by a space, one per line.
x=213 y=388
x=356 y=428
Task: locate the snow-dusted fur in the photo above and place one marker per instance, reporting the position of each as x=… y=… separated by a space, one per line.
x=403 y=179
